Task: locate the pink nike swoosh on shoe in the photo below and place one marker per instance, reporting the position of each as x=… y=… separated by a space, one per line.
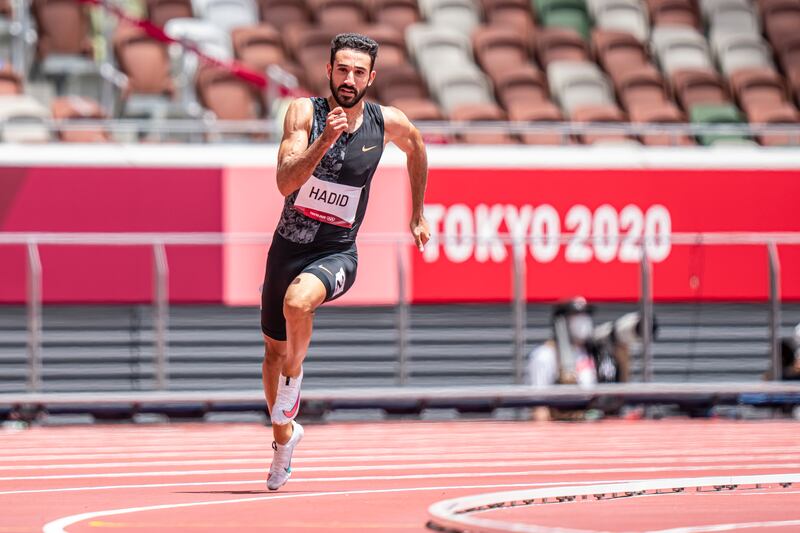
x=293 y=411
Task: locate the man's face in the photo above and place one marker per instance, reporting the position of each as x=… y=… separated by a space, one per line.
x=349 y=76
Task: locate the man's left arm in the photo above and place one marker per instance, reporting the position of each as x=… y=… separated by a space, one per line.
x=400 y=131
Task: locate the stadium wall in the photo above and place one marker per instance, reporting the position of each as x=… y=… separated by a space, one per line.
x=542 y=192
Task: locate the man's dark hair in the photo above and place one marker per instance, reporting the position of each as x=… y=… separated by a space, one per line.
x=355 y=41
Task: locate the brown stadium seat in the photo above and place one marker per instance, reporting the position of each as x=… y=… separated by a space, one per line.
x=63 y=27
x=600 y=113
x=758 y=87
x=641 y=86
x=342 y=15
x=673 y=13
x=698 y=86
x=5 y=9
x=663 y=113
x=396 y=13
x=770 y=114
x=10 y=81
x=781 y=19
x=228 y=96
x=543 y=112
x=513 y=14
x=481 y=113
x=258 y=46
x=392 y=44
x=311 y=47
x=74 y=107
x=794 y=85
x=499 y=48
x=618 y=51
x=560 y=44
x=789 y=56
x=399 y=82
x=144 y=61
x=284 y=13
x=520 y=86
x=159 y=12
x=423 y=109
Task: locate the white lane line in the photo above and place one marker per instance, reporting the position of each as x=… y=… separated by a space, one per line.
x=59 y=525
x=391 y=452
x=262 y=482
x=423 y=466
x=485 y=458
x=728 y=527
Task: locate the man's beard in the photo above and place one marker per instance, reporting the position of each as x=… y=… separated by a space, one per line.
x=352 y=101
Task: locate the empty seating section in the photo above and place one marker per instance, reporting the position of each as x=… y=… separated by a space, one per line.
x=469 y=61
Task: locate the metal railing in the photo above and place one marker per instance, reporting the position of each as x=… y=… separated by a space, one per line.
x=205 y=128
x=158 y=241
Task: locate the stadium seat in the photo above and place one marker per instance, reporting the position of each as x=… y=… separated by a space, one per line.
x=673 y=13
x=227 y=14
x=618 y=51
x=758 y=87
x=717 y=114
x=159 y=12
x=399 y=82
x=433 y=47
x=419 y=109
x=770 y=114
x=64 y=52
x=6 y=20
x=23 y=119
x=621 y=15
x=663 y=113
x=209 y=38
x=499 y=48
x=72 y=108
x=512 y=14
x=578 y=84
x=311 y=47
x=543 y=112
x=458 y=15
x=458 y=85
x=341 y=15
x=737 y=51
x=481 y=113
x=226 y=95
x=680 y=47
x=146 y=64
x=284 y=13
x=399 y=14
x=781 y=18
x=564 y=14
x=698 y=86
x=392 y=44
x=560 y=44
x=732 y=16
x=639 y=87
x=259 y=46
x=601 y=113
x=10 y=81
x=520 y=86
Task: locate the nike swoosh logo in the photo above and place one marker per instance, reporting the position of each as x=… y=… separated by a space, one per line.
x=365 y=149
x=293 y=411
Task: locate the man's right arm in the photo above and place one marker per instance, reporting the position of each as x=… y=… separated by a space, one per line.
x=296 y=159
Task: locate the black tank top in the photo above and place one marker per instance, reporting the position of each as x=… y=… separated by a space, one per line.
x=352 y=160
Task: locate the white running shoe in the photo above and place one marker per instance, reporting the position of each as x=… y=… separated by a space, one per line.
x=287 y=402
x=281 y=468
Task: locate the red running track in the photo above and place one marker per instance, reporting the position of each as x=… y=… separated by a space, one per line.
x=382 y=477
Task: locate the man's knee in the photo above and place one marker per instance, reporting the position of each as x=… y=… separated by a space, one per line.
x=275 y=353
x=300 y=301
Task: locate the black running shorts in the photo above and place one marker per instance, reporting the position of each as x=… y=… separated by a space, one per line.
x=336 y=268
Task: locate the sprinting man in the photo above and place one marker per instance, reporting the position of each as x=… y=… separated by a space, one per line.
x=327 y=157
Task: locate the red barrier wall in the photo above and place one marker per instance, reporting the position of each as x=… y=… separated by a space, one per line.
x=78 y=199
x=531 y=201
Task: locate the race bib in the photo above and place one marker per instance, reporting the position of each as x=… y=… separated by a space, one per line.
x=332 y=203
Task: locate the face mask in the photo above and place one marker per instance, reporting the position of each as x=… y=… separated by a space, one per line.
x=580 y=327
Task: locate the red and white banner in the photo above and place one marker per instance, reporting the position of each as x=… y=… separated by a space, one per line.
x=583 y=225
x=605 y=213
